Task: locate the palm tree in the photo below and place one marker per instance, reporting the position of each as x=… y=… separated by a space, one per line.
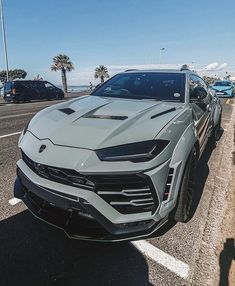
x=101 y=72
x=63 y=63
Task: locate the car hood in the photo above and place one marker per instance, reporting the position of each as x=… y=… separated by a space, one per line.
x=221 y=88
x=93 y=122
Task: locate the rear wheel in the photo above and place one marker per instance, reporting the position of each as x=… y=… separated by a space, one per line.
x=185 y=197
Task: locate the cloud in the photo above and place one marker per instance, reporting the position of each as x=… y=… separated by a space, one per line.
x=86 y=75
x=222 y=66
x=210 y=67
x=214 y=67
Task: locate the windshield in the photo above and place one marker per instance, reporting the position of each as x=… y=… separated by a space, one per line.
x=222 y=83
x=146 y=85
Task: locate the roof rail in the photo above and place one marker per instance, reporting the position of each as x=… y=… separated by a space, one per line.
x=131 y=70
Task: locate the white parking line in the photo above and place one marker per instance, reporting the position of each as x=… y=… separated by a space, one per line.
x=17 y=115
x=14 y=201
x=10 y=134
x=178 y=267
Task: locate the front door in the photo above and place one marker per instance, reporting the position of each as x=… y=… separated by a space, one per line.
x=201 y=111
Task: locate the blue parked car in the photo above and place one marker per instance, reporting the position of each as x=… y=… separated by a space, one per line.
x=223 y=88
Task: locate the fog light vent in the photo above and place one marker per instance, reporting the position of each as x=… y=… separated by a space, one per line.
x=168 y=184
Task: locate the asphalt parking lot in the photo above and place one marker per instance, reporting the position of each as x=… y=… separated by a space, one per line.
x=33 y=253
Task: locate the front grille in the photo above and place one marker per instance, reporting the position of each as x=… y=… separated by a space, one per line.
x=127 y=194
x=60 y=175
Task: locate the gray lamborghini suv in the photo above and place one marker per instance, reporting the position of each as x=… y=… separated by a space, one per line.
x=117 y=164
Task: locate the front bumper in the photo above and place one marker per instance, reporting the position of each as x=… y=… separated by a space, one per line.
x=76 y=216
x=120 y=202
x=228 y=93
x=12 y=97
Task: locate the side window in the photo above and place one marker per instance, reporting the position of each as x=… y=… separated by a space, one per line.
x=199 y=107
x=192 y=84
x=196 y=81
x=49 y=85
x=39 y=85
x=203 y=84
x=120 y=84
x=24 y=84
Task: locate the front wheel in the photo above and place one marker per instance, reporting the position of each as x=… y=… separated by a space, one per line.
x=59 y=97
x=185 y=197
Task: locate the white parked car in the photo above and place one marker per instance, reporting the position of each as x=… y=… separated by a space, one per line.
x=117 y=164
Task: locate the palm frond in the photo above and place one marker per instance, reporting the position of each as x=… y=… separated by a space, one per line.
x=101 y=72
x=60 y=62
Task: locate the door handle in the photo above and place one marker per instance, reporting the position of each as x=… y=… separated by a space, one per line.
x=208 y=107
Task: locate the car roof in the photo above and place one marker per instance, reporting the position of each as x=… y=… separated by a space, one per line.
x=25 y=80
x=185 y=71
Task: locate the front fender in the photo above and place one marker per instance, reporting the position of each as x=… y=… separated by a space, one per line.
x=178 y=161
x=184 y=145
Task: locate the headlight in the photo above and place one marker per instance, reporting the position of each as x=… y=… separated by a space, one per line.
x=134 y=152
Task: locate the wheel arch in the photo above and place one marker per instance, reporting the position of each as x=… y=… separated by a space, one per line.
x=187 y=141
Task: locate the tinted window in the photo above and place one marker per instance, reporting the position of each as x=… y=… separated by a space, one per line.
x=200 y=106
x=32 y=84
x=196 y=81
x=49 y=85
x=146 y=85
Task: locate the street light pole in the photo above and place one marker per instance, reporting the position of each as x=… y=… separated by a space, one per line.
x=4 y=39
x=160 y=55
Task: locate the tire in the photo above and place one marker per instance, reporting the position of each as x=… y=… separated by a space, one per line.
x=183 y=207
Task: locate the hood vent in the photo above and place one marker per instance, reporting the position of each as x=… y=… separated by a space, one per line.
x=112 y=117
x=164 y=112
x=67 y=111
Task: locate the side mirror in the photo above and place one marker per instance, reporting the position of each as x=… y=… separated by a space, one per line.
x=198 y=94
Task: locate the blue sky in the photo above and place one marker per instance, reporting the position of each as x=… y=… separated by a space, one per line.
x=119 y=34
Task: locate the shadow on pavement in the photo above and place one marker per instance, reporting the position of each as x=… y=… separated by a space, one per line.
x=202 y=173
x=33 y=253
x=227 y=255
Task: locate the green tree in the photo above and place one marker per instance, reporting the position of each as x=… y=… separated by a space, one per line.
x=101 y=72
x=13 y=74
x=62 y=62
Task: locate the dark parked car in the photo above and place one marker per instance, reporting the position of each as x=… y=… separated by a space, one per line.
x=27 y=90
